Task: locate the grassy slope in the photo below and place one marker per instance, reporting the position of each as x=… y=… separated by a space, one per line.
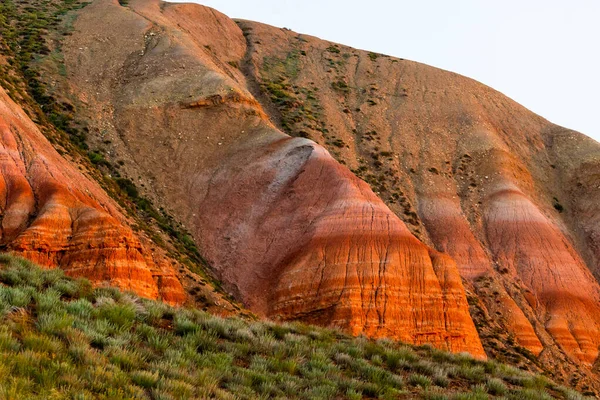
x=62 y=339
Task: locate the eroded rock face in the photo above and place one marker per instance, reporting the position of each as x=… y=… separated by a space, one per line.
x=55 y=216
x=449 y=229
x=291 y=232
x=311 y=242
x=530 y=247
x=461 y=169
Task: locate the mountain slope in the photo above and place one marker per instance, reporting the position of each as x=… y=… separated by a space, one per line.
x=54 y=215
x=264 y=208
x=471 y=172
x=329 y=185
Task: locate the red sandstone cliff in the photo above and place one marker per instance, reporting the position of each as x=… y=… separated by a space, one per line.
x=55 y=216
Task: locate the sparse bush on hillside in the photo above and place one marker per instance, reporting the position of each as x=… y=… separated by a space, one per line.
x=557 y=206
x=496 y=386
x=373 y=56
x=333 y=49
x=61 y=339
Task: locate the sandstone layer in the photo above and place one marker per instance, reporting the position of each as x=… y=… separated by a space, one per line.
x=289 y=231
x=254 y=137
x=53 y=215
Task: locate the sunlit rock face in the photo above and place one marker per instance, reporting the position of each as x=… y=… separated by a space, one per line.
x=467 y=189
x=52 y=214
x=290 y=231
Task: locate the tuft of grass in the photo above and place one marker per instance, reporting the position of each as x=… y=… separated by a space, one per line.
x=420 y=380
x=496 y=387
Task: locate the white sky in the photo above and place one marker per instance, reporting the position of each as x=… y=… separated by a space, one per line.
x=545 y=54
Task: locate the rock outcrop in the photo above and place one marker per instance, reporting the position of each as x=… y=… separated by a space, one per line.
x=309 y=241
x=53 y=215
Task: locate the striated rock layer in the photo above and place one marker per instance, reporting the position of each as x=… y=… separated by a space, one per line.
x=202 y=110
x=510 y=196
x=290 y=231
x=311 y=242
x=55 y=216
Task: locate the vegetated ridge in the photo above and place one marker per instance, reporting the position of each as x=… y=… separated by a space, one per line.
x=62 y=339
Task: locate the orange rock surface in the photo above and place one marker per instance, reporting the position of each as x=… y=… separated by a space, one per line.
x=564 y=292
x=309 y=241
x=202 y=111
x=291 y=232
x=55 y=216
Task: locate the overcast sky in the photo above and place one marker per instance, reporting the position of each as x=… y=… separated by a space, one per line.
x=545 y=54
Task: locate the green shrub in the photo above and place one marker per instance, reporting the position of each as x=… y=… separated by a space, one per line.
x=15 y=297
x=145 y=379
x=440 y=377
x=81 y=308
x=41 y=343
x=8 y=343
x=420 y=380
x=54 y=323
x=48 y=301
x=120 y=315
x=352 y=394
x=472 y=373
x=79 y=353
x=158 y=343
x=496 y=387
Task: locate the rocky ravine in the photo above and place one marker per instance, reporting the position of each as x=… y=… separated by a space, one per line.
x=249 y=133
